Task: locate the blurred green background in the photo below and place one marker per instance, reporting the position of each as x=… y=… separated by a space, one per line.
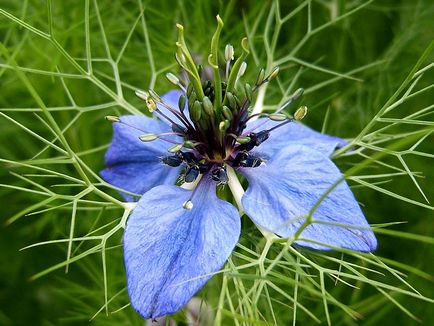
x=382 y=42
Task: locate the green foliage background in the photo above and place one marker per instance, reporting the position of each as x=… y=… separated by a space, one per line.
x=365 y=65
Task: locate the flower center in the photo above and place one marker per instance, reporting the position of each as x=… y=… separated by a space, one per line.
x=212 y=115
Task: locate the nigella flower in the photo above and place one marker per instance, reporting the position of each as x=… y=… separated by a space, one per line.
x=200 y=137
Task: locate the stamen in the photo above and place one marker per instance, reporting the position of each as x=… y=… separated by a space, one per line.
x=188 y=204
x=220 y=175
x=295 y=96
x=175 y=81
x=175 y=148
x=260 y=78
x=150 y=103
x=112 y=118
x=300 y=113
x=150 y=136
x=241 y=72
x=273 y=74
x=180 y=115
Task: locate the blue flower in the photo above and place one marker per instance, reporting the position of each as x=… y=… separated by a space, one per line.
x=177 y=238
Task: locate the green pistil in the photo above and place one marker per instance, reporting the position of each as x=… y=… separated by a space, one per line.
x=186 y=61
x=213 y=61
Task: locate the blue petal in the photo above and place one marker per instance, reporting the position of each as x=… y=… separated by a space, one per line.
x=171 y=252
x=294 y=133
x=134 y=165
x=283 y=191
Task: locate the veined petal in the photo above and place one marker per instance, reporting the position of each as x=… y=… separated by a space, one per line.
x=282 y=191
x=134 y=165
x=139 y=177
x=171 y=252
x=126 y=145
x=294 y=133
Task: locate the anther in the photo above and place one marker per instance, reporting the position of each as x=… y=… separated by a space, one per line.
x=173 y=160
x=260 y=78
x=220 y=175
x=172 y=78
x=229 y=53
x=241 y=71
x=175 y=148
x=273 y=74
x=112 y=118
x=148 y=137
x=300 y=113
x=277 y=116
x=187 y=205
x=244 y=159
x=249 y=92
x=155 y=96
x=191 y=173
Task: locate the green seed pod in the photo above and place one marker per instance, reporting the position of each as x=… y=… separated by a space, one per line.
x=196 y=111
x=181 y=102
x=231 y=100
x=227 y=113
x=207 y=106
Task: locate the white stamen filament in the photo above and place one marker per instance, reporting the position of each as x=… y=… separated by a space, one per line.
x=238 y=192
x=188 y=204
x=259 y=104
